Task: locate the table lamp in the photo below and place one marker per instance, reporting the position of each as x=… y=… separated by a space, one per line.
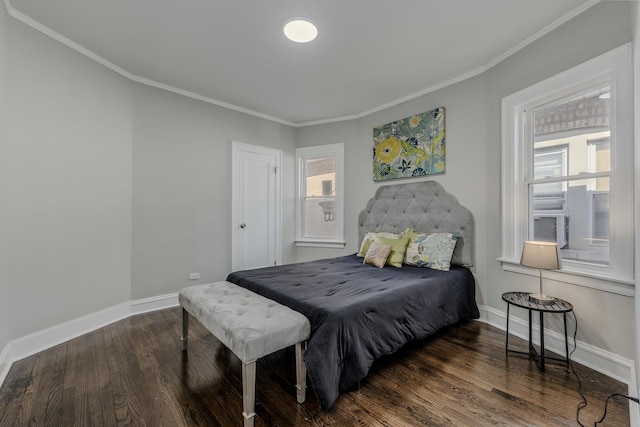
x=543 y=256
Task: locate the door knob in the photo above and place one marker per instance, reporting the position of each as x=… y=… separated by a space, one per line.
x=243 y=225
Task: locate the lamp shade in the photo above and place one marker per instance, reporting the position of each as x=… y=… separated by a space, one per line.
x=542 y=255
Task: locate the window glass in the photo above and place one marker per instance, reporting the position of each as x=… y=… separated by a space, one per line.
x=600 y=206
x=320 y=220
x=571 y=142
x=549 y=163
x=582 y=229
x=319 y=204
x=574 y=122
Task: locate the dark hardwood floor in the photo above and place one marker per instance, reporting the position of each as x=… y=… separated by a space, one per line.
x=133 y=373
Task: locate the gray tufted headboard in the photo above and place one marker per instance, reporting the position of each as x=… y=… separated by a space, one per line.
x=424 y=207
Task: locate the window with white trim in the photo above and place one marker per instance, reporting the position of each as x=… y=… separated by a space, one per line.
x=320 y=205
x=567 y=167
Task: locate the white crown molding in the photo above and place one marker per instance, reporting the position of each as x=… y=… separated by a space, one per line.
x=16 y=14
x=398 y=101
x=212 y=101
x=543 y=31
x=555 y=24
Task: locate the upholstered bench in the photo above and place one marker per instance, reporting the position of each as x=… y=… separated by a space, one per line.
x=249 y=325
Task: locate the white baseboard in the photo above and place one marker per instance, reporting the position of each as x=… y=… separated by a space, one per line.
x=634 y=408
x=33 y=343
x=161 y=302
x=595 y=358
x=600 y=360
x=5 y=364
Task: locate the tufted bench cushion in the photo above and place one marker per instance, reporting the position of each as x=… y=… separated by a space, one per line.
x=249 y=325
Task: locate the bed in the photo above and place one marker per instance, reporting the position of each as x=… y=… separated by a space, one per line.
x=359 y=313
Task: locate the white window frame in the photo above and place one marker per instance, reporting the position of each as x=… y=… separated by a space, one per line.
x=613 y=68
x=320 y=151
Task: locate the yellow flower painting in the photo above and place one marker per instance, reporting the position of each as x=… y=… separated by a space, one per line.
x=388 y=150
x=411 y=147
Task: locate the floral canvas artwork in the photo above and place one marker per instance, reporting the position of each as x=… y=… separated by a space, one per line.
x=411 y=147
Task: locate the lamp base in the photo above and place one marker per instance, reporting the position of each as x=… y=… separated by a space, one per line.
x=542 y=299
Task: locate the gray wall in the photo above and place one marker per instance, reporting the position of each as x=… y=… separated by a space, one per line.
x=182 y=188
x=68 y=199
x=636 y=108
x=473 y=164
x=605 y=319
x=111 y=190
x=465 y=127
x=4 y=107
x=114 y=191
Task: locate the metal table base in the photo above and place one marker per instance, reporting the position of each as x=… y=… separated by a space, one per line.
x=521 y=299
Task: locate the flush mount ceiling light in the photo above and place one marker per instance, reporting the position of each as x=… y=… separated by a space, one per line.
x=300 y=30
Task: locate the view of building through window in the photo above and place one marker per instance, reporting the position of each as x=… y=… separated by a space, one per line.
x=320 y=197
x=570 y=175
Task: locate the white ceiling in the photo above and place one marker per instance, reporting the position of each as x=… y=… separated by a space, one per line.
x=369 y=53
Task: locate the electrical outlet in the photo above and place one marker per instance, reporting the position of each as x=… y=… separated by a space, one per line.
x=194 y=276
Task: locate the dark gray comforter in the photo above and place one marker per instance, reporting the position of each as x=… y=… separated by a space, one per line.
x=359 y=313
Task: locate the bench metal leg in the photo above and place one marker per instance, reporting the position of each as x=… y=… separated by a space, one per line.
x=185 y=329
x=301 y=372
x=248 y=392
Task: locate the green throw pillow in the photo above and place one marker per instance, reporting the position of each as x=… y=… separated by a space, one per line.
x=398 y=248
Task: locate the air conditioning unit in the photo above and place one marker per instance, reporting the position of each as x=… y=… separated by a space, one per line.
x=551 y=228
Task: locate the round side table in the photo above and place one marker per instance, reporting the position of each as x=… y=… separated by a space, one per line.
x=521 y=299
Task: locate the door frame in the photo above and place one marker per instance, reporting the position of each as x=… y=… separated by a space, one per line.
x=237 y=150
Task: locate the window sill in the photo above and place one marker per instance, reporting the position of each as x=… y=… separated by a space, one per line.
x=320 y=244
x=614 y=285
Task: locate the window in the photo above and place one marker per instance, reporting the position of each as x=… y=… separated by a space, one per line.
x=320 y=196
x=567 y=163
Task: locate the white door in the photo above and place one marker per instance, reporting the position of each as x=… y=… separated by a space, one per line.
x=256 y=207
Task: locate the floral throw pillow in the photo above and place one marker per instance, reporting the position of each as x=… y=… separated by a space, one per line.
x=433 y=250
